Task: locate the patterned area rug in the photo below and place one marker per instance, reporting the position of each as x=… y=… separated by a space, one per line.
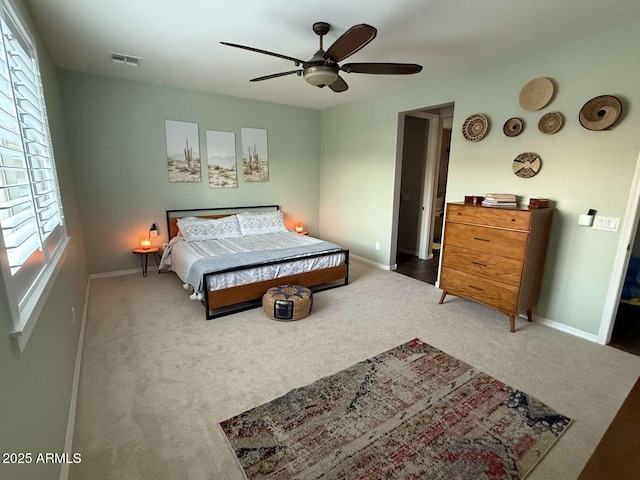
x=412 y=412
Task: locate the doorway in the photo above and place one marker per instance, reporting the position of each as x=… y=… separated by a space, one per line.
x=626 y=328
x=424 y=140
x=628 y=246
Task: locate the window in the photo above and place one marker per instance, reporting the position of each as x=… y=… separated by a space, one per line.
x=33 y=238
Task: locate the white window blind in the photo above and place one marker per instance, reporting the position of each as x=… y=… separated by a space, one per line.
x=31 y=214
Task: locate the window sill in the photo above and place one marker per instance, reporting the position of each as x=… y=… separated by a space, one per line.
x=31 y=312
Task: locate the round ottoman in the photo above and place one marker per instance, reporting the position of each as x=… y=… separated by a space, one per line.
x=287 y=302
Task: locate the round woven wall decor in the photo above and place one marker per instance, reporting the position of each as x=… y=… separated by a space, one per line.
x=550 y=122
x=536 y=93
x=600 y=113
x=513 y=127
x=475 y=127
x=527 y=165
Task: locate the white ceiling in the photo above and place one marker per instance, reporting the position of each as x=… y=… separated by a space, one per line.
x=178 y=40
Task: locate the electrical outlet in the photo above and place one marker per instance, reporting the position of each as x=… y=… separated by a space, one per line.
x=377 y=245
x=73 y=315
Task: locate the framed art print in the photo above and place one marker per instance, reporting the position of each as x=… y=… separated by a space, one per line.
x=183 y=152
x=255 y=158
x=221 y=159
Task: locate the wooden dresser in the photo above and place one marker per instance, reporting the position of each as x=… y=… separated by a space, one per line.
x=495 y=256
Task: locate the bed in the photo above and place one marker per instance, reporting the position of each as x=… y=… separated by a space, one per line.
x=230 y=257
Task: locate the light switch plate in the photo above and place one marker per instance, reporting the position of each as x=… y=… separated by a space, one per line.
x=609 y=224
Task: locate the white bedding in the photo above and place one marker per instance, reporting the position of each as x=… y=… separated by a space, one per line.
x=180 y=255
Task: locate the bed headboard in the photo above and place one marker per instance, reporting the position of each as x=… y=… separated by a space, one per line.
x=218 y=212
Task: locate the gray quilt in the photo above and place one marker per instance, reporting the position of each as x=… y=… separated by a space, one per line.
x=224 y=262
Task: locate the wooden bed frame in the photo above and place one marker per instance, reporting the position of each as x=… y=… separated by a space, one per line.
x=230 y=300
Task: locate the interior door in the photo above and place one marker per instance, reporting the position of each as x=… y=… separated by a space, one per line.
x=429 y=190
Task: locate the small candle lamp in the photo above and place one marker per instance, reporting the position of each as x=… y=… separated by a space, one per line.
x=145 y=242
x=299 y=227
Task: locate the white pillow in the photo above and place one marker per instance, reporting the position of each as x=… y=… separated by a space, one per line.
x=184 y=220
x=259 y=223
x=194 y=229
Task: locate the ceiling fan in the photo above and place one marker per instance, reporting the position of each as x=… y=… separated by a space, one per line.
x=322 y=69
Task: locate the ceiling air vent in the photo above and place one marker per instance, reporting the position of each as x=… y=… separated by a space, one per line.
x=125 y=59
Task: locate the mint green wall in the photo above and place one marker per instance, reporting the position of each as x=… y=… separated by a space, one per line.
x=119 y=156
x=36 y=384
x=581 y=169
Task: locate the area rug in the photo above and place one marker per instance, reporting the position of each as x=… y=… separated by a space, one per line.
x=412 y=412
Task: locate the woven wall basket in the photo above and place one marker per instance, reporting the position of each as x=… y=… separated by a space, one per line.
x=475 y=127
x=536 y=93
x=287 y=302
x=600 y=113
x=513 y=127
x=550 y=123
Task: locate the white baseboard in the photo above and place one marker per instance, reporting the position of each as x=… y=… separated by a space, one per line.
x=71 y=422
x=117 y=273
x=564 y=328
x=370 y=262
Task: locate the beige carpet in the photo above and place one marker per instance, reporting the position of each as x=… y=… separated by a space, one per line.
x=157 y=378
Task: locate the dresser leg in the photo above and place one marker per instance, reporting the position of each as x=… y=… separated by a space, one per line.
x=512 y=323
x=444 y=294
x=529 y=317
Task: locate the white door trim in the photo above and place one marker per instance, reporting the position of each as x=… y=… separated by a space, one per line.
x=621 y=261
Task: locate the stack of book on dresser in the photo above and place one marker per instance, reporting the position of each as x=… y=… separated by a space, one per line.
x=499 y=200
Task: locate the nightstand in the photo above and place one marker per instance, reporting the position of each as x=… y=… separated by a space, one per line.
x=144 y=257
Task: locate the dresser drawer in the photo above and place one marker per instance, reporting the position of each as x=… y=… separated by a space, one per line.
x=490 y=216
x=500 y=295
x=495 y=267
x=506 y=243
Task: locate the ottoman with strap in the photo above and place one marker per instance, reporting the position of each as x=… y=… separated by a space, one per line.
x=287 y=302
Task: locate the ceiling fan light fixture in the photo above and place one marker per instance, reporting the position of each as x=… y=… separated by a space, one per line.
x=321 y=75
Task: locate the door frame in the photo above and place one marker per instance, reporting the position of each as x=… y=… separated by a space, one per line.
x=430 y=175
x=621 y=261
x=421 y=113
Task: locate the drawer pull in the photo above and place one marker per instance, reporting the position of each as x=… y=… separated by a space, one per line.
x=481 y=239
x=476 y=288
x=480 y=263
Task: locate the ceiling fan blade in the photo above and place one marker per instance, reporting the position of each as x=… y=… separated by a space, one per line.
x=339 y=85
x=275 y=75
x=257 y=50
x=382 y=68
x=350 y=42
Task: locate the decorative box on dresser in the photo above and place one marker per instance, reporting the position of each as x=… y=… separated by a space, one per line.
x=495 y=256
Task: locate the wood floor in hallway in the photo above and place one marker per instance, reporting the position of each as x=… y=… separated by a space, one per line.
x=412 y=266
